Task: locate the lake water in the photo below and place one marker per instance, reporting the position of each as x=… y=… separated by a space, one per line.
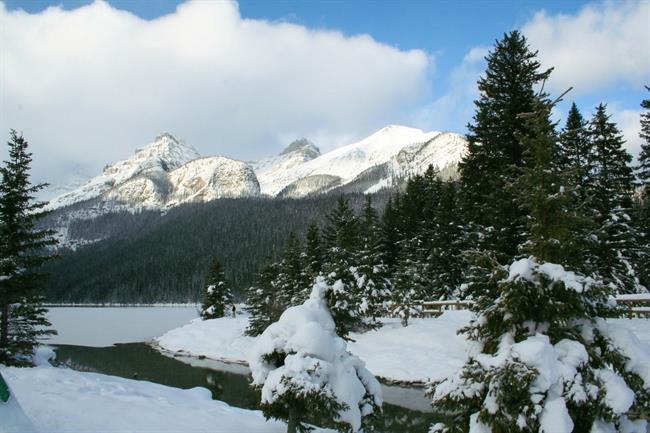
x=87 y=342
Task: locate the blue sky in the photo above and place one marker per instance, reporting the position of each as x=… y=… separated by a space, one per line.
x=422 y=60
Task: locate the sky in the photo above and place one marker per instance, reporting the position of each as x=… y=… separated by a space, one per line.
x=88 y=82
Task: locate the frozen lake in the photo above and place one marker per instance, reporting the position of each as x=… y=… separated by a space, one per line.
x=105 y=326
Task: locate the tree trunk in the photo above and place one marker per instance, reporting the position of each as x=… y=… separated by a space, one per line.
x=292 y=425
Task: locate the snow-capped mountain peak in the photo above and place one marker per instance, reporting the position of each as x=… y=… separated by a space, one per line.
x=302 y=145
x=169 y=149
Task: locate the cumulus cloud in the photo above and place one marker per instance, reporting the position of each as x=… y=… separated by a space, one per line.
x=89 y=85
x=602 y=44
x=629 y=122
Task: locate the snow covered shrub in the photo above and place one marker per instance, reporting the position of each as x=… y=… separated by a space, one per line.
x=302 y=367
x=545 y=362
x=217 y=296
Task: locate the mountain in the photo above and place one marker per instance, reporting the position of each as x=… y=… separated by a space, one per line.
x=165 y=173
x=378 y=161
x=169 y=172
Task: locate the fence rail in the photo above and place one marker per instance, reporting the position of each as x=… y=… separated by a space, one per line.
x=636 y=305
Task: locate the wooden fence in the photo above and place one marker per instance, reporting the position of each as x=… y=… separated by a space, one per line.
x=635 y=305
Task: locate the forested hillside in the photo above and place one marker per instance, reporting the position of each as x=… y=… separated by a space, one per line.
x=149 y=256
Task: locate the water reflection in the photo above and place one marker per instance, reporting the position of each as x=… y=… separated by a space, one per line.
x=227 y=382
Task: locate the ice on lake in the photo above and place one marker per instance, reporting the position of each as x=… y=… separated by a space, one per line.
x=105 y=326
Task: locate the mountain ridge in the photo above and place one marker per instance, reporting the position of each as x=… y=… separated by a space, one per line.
x=168 y=172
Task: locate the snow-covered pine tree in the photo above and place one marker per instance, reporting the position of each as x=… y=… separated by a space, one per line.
x=313 y=251
x=370 y=271
x=390 y=233
x=341 y=237
x=412 y=278
x=293 y=280
x=217 y=294
x=545 y=360
x=446 y=264
x=262 y=302
x=506 y=89
x=642 y=213
x=616 y=248
x=306 y=374
x=644 y=155
x=23 y=249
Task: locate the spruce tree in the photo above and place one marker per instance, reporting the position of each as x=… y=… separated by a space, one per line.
x=547 y=360
x=370 y=271
x=644 y=155
x=313 y=251
x=293 y=282
x=642 y=213
x=444 y=231
x=304 y=372
x=616 y=249
x=262 y=301
x=217 y=294
x=23 y=249
x=506 y=91
x=575 y=151
x=390 y=234
x=341 y=237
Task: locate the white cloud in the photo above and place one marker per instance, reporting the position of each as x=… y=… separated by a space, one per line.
x=602 y=44
x=629 y=122
x=455 y=108
x=89 y=85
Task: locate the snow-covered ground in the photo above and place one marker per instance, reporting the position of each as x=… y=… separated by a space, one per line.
x=62 y=400
x=107 y=326
x=426 y=349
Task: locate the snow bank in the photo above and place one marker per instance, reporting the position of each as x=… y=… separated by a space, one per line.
x=61 y=400
x=222 y=339
x=431 y=346
x=315 y=360
x=426 y=349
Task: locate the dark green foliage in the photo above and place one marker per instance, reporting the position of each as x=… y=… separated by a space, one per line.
x=642 y=204
x=370 y=271
x=149 y=257
x=262 y=301
x=611 y=189
x=293 y=282
x=22 y=253
x=575 y=152
x=217 y=294
x=536 y=303
x=313 y=251
x=494 y=147
x=341 y=235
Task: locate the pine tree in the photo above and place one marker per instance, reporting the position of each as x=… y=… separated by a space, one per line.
x=370 y=271
x=575 y=151
x=262 y=301
x=313 y=251
x=217 y=294
x=642 y=213
x=293 y=282
x=547 y=362
x=342 y=242
x=305 y=373
x=506 y=90
x=611 y=191
x=390 y=234
x=23 y=249
x=644 y=156
x=446 y=264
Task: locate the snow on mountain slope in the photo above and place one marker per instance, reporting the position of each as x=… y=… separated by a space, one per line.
x=210 y=178
x=345 y=162
x=165 y=173
x=374 y=162
x=164 y=154
x=271 y=171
